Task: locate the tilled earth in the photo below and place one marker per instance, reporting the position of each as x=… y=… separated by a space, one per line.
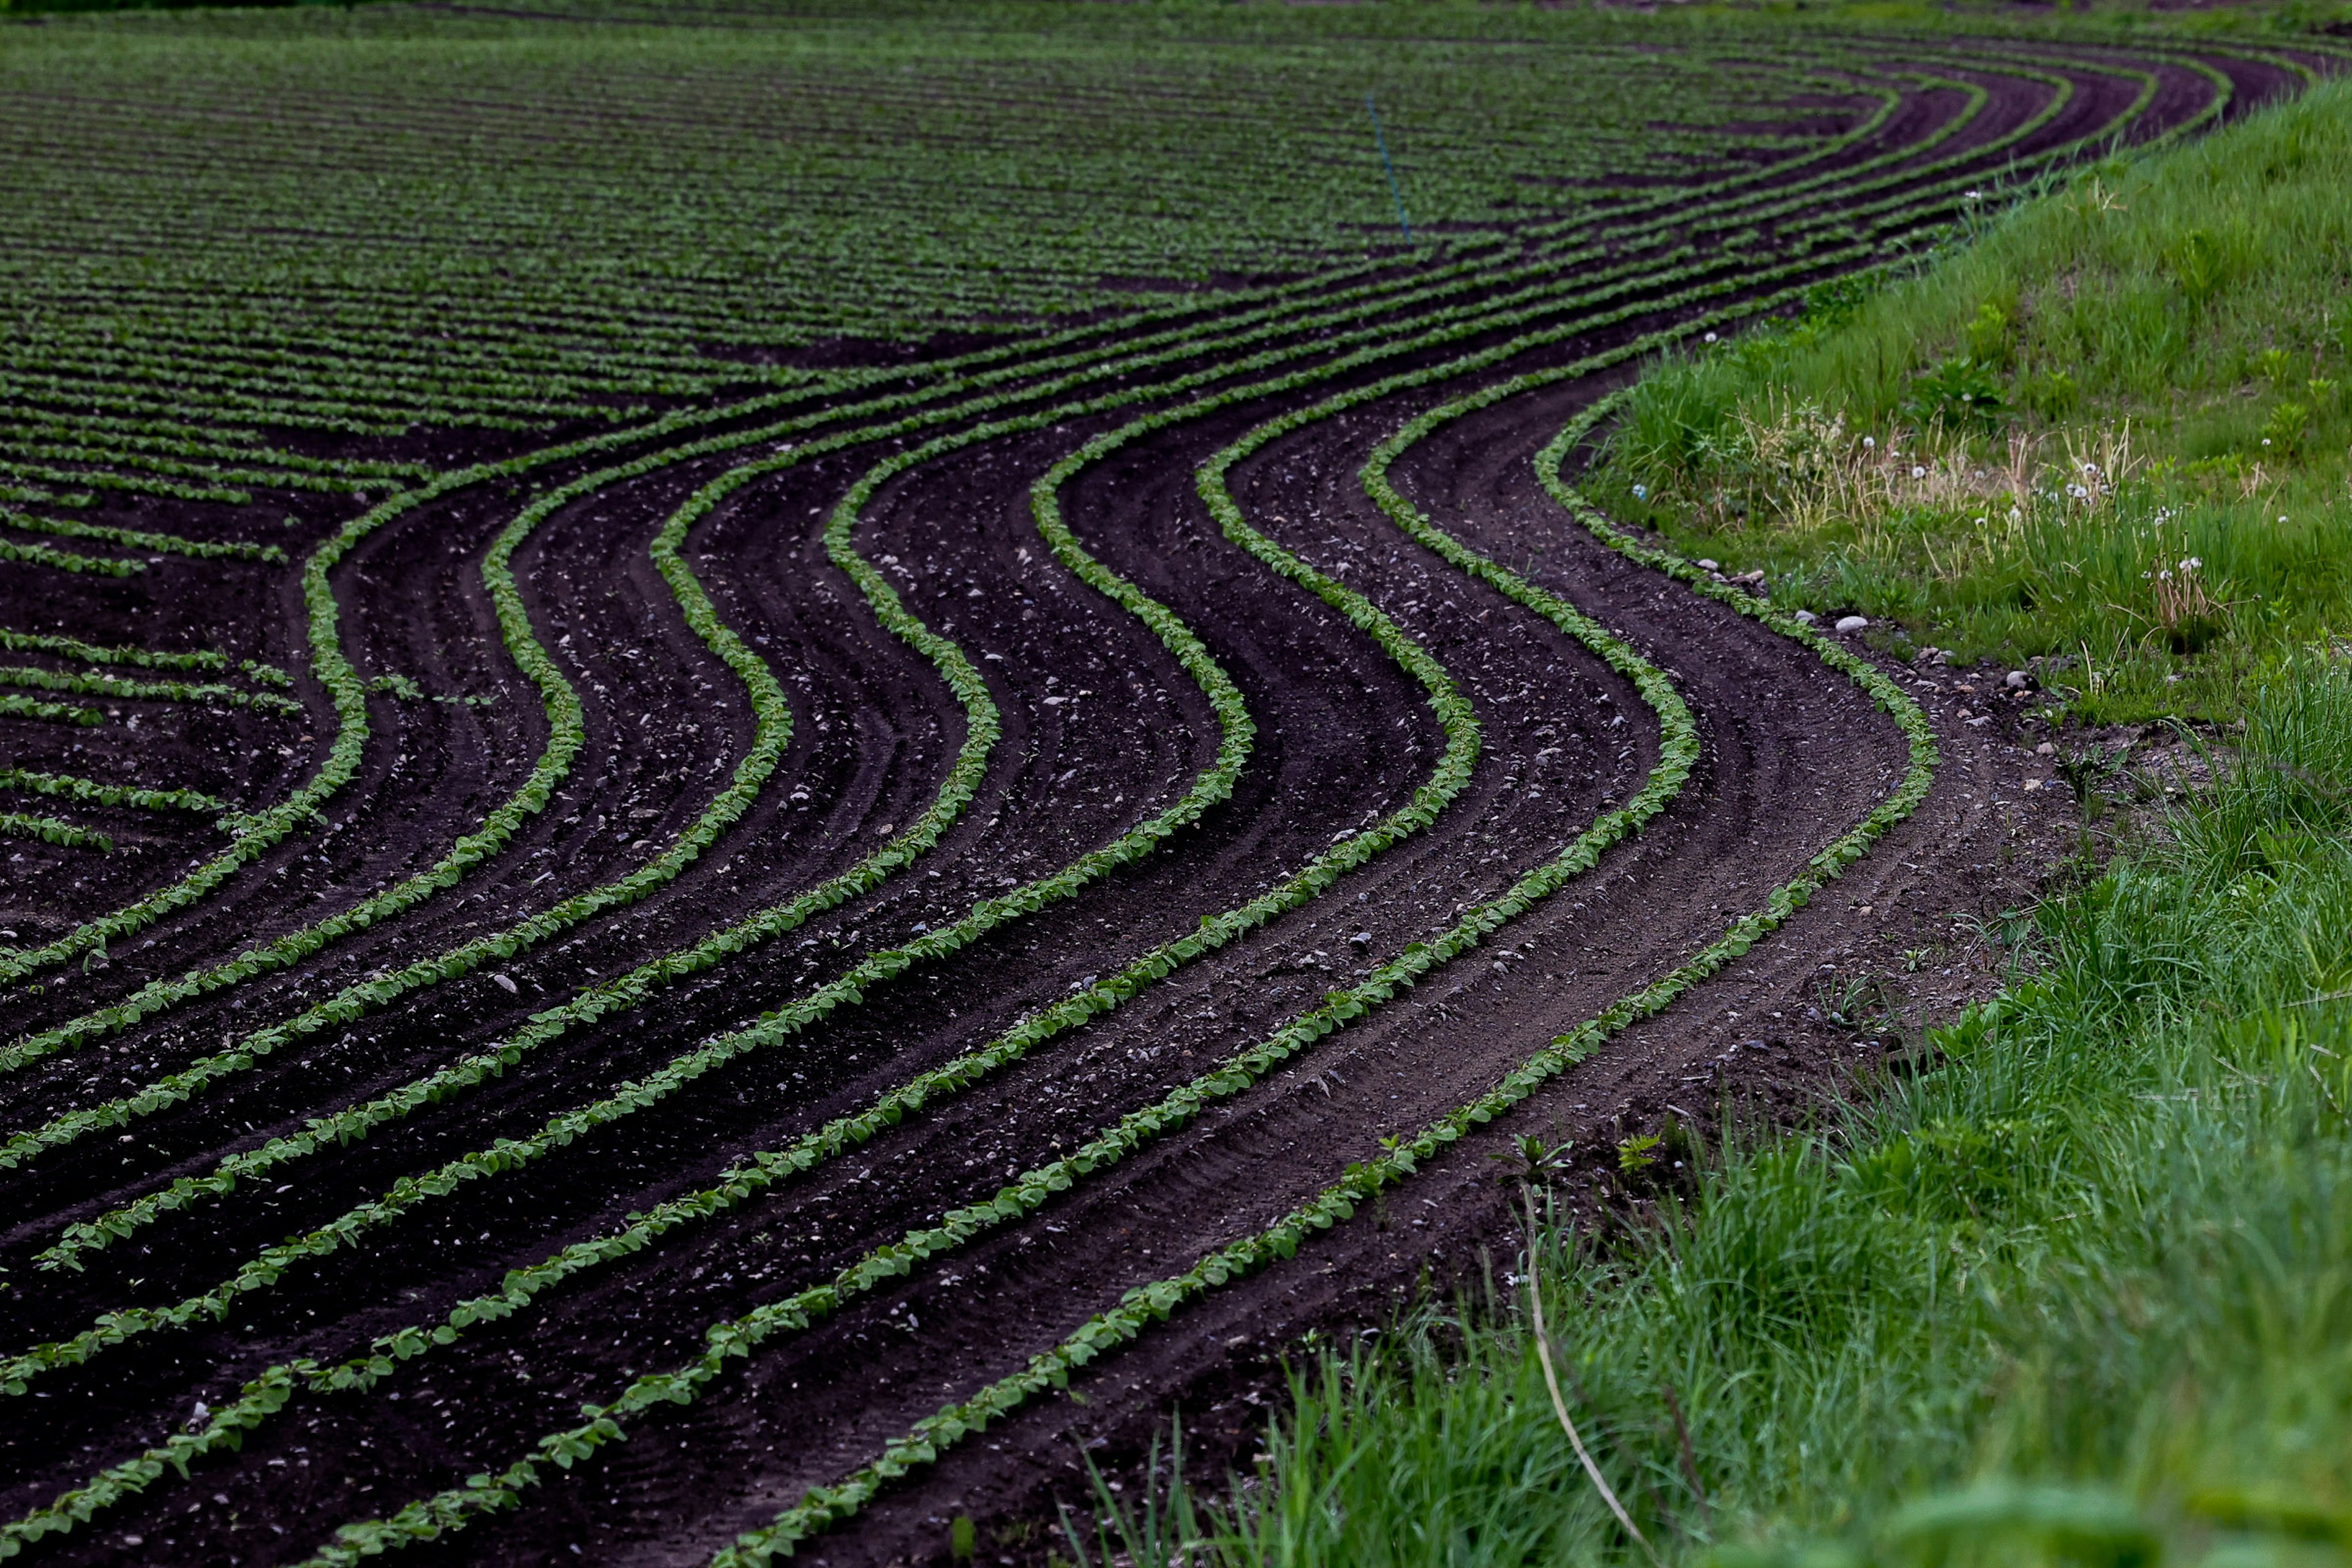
x=1102 y=727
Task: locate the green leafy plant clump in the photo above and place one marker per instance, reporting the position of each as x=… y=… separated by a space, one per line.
x=2109 y=435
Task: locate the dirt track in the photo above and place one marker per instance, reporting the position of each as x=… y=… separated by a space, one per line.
x=1102 y=727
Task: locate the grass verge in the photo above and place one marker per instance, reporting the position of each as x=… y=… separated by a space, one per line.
x=2107 y=439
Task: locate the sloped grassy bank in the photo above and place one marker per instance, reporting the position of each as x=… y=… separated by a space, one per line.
x=2109 y=435
x=2083 y=1292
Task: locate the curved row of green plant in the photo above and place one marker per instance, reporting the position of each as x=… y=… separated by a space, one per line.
x=137 y=538
x=169 y=1091
x=164 y=691
x=66 y=786
x=345 y=690
x=1215 y=783
x=1215 y=933
x=357 y=1122
x=91 y=653
x=160 y=994
x=49 y=830
x=15 y=706
x=177 y=1087
x=1364 y=1182
x=451 y=1510
x=270 y=826
x=67 y=560
x=163 y=993
x=436 y=1515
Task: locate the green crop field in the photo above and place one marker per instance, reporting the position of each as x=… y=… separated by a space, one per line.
x=763 y=766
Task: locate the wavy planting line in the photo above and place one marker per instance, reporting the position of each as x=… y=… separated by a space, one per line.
x=92 y=653
x=335 y=671
x=267 y=1393
x=264 y=1384
x=347 y=691
x=1461 y=324
x=178 y=1086
x=122 y=1222
x=164 y=690
x=15 y=706
x=524 y=1285
x=66 y=786
x=356 y=1121
x=450 y=1509
x=453 y=1509
x=67 y=560
x=1359 y=1183
x=267 y=827
x=49 y=830
x=964 y=676
x=131 y=537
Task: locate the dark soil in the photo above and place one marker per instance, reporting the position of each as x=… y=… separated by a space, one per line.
x=1101 y=728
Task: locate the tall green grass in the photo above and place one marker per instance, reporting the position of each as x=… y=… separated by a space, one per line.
x=2183 y=321
x=2082 y=1293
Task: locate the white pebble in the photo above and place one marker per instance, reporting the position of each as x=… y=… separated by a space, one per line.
x=1808 y=617
x=1706 y=565
x=1849 y=625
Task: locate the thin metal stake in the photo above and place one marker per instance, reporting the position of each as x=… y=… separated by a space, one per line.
x=1394 y=189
